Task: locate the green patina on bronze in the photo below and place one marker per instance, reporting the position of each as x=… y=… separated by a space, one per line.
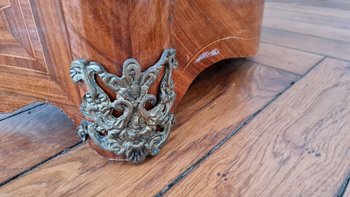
x=138 y=132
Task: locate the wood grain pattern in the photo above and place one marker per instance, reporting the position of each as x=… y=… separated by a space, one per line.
x=317 y=10
x=347 y=192
x=270 y=13
x=308 y=28
x=317 y=29
x=320 y=46
x=32 y=24
x=284 y=58
x=290 y=157
x=4 y=4
x=31 y=137
x=19 y=39
x=202 y=32
x=298 y=146
x=337 y=4
x=20 y=110
x=40 y=38
x=241 y=89
x=139 y=29
x=143 y=29
x=15 y=94
x=223 y=33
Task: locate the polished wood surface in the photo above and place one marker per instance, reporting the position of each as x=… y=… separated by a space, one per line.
x=19 y=38
x=298 y=139
x=117 y=30
x=35 y=56
x=202 y=32
x=40 y=38
x=221 y=31
x=241 y=89
x=40 y=131
x=194 y=141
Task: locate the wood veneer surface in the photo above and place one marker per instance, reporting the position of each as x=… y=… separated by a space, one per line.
x=35 y=57
x=40 y=38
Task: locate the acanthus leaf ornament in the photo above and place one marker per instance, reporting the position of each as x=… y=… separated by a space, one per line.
x=138 y=132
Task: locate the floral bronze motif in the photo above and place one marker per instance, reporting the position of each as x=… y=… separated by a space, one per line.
x=138 y=131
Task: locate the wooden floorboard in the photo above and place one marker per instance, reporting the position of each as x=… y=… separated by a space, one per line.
x=318 y=10
x=298 y=146
x=320 y=30
x=307 y=28
x=241 y=88
x=347 y=191
x=20 y=110
x=306 y=43
x=291 y=60
x=340 y=23
x=337 y=4
x=31 y=137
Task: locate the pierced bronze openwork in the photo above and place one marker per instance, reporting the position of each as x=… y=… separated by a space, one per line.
x=138 y=131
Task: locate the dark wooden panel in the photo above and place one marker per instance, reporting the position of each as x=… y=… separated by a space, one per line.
x=298 y=146
x=210 y=111
x=31 y=137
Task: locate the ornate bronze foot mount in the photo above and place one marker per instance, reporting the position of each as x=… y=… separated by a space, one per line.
x=138 y=131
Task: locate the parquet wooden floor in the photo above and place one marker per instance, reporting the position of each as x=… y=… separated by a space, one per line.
x=276 y=124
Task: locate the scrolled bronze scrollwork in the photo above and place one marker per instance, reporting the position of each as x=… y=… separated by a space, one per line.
x=138 y=131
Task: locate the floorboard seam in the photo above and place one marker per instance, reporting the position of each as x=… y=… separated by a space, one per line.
x=184 y=174
x=344 y=186
x=319 y=37
x=276 y=68
x=17 y=113
x=305 y=51
x=28 y=170
x=306 y=13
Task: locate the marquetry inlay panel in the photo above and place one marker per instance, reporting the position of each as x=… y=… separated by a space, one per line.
x=20 y=44
x=40 y=38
